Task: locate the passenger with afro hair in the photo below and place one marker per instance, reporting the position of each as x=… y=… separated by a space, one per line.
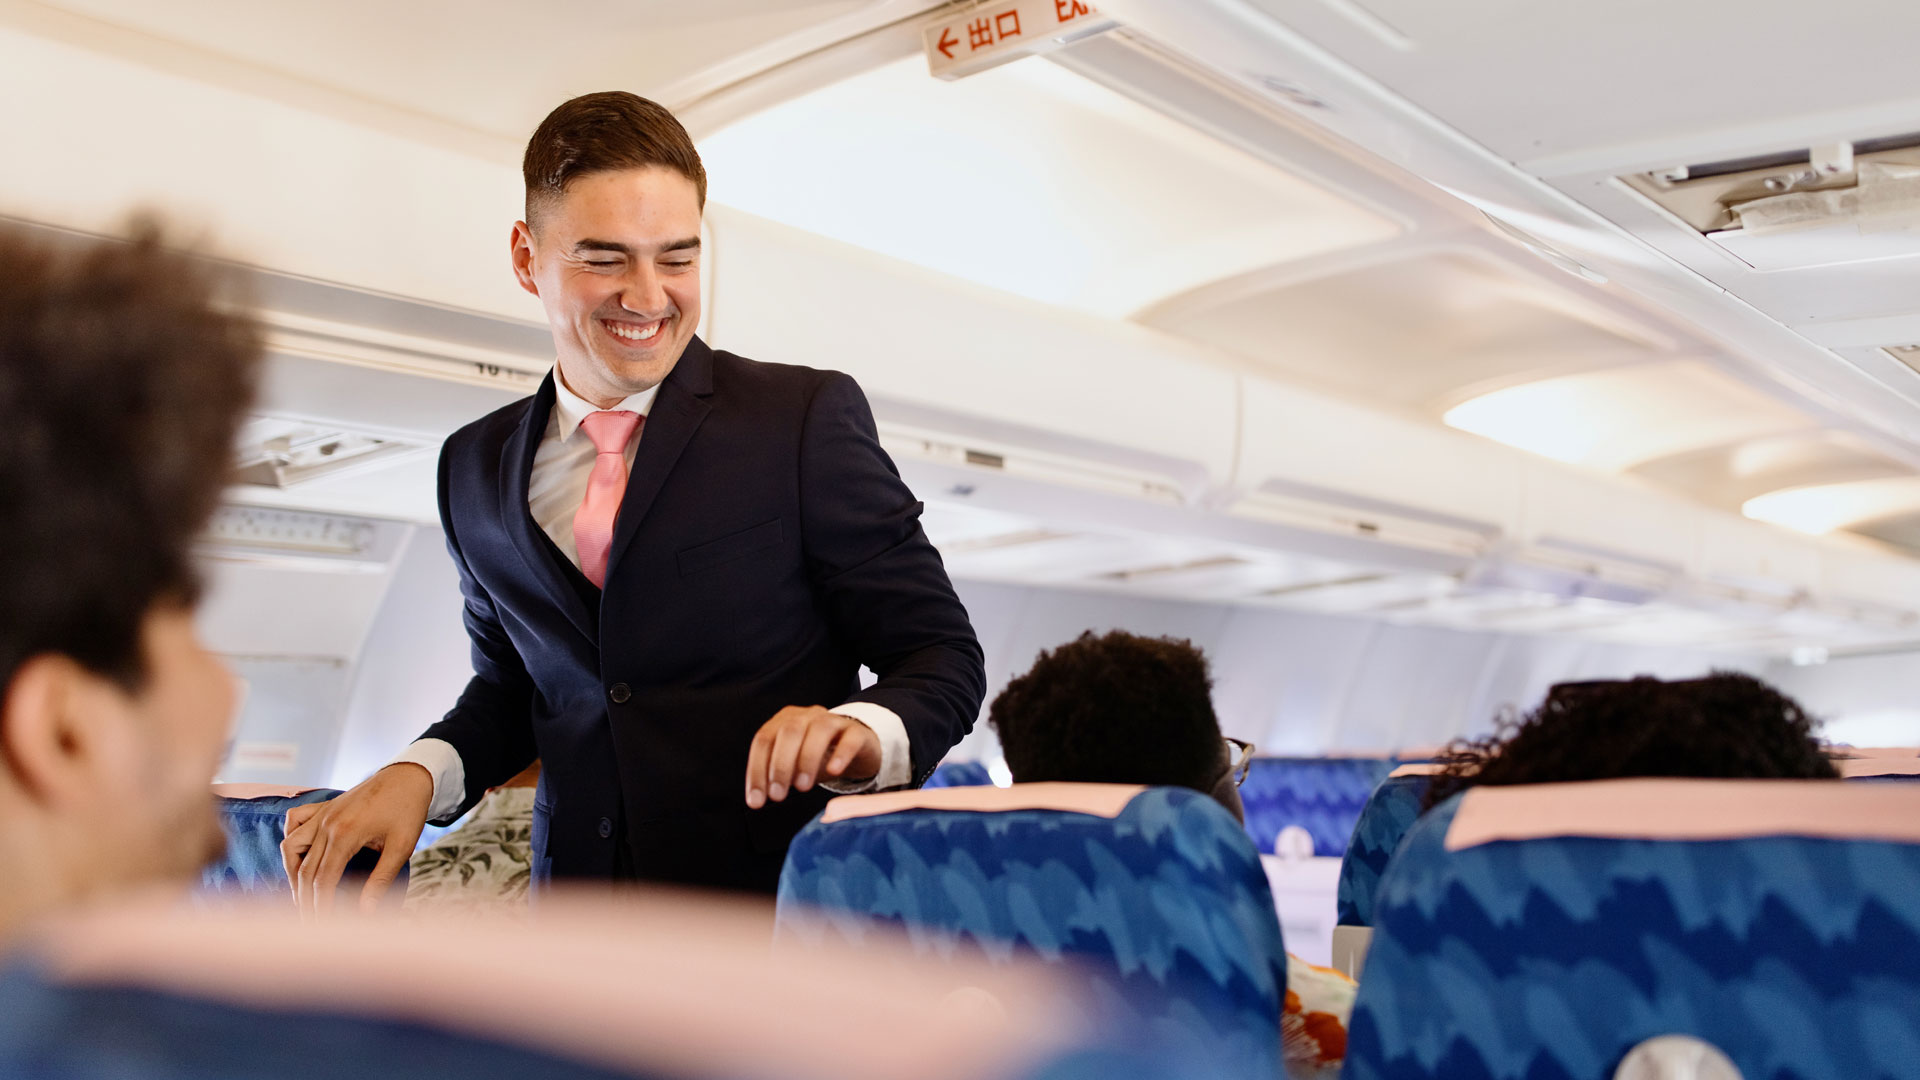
x=1119 y=708
x=1724 y=726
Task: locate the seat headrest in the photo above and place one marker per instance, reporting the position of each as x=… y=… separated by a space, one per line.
x=658 y=984
x=1854 y=767
x=1653 y=809
x=1098 y=800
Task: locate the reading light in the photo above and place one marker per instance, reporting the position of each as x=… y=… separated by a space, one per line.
x=1823 y=508
x=1616 y=418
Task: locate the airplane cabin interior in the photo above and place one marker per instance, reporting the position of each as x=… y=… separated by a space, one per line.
x=1411 y=361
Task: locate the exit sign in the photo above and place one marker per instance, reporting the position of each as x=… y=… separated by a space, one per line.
x=992 y=34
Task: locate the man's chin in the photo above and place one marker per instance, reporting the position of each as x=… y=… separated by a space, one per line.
x=631 y=364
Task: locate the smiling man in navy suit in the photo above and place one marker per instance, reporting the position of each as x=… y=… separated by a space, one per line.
x=675 y=561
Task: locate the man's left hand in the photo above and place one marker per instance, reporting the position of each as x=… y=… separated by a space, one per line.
x=800 y=746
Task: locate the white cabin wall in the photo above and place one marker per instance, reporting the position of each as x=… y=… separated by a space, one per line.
x=291 y=635
x=1304 y=683
x=414 y=664
x=1863 y=700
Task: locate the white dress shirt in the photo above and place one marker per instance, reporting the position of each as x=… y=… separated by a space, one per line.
x=555 y=490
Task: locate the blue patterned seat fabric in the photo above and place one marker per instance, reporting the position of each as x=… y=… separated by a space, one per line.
x=959 y=774
x=1389 y=813
x=1321 y=795
x=1799 y=958
x=1166 y=906
x=254 y=829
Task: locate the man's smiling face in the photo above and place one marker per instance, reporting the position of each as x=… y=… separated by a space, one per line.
x=615 y=261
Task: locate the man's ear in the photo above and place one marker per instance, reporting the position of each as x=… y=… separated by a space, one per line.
x=522 y=242
x=45 y=739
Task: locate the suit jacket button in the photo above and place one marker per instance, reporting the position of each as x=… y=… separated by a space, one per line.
x=619 y=693
x=606 y=828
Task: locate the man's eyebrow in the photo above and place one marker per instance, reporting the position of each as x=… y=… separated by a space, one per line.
x=689 y=244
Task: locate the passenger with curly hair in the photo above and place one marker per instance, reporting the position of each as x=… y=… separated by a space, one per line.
x=1119 y=708
x=1724 y=726
x=122 y=386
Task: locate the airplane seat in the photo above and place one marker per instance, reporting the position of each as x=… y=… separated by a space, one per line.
x=959 y=774
x=1152 y=895
x=649 y=986
x=1322 y=795
x=1548 y=930
x=1389 y=812
x=254 y=817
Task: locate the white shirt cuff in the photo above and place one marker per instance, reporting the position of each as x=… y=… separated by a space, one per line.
x=439 y=758
x=896 y=762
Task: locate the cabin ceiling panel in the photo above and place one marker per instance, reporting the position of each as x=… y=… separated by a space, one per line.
x=1418 y=332
x=1612 y=420
x=1531 y=80
x=1727 y=476
x=1030 y=179
x=493 y=66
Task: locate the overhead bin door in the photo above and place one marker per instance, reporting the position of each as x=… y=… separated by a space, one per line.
x=1301 y=450
x=944 y=356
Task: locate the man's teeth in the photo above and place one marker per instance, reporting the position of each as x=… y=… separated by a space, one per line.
x=633 y=333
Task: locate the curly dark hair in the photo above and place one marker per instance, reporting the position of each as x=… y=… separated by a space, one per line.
x=1726 y=725
x=121 y=390
x=1115 y=709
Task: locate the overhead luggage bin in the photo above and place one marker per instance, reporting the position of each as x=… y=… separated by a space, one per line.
x=1314 y=461
x=963 y=368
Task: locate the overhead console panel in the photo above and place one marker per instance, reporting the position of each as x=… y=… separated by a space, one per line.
x=1846 y=202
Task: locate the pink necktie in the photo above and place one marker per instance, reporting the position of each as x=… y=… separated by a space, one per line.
x=606 y=485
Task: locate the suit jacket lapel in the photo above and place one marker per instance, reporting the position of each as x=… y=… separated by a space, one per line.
x=516 y=471
x=677 y=413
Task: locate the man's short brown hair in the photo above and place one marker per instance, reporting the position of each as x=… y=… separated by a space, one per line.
x=121 y=390
x=601 y=133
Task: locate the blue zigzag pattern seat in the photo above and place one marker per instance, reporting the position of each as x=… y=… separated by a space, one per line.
x=1154 y=895
x=959 y=774
x=1395 y=805
x=1390 y=811
x=1321 y=795
x=1576 y=920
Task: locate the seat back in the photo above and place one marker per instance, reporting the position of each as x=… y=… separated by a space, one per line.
x=959 y=774
x=1153 y=896
x=1390 y=811
x=653 y=986
x=1323 y=795
x=1547 y=930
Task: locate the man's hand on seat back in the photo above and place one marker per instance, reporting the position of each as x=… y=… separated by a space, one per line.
x=802 y=746
x=386 y=812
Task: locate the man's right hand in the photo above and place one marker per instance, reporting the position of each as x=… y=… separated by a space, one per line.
x=386 y=812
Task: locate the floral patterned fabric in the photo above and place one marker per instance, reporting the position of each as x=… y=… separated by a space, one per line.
x=483 y=864
x=1313 y=1020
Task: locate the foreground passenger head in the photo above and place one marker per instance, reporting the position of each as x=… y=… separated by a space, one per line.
x=120 y=392
x=1725 y=726
x=1117 y=709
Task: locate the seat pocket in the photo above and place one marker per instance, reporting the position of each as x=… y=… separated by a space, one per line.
x=715 y=553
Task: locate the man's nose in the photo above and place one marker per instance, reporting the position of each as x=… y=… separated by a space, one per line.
x=644 y=293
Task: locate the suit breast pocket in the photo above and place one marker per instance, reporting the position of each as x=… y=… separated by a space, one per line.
x=717 y=553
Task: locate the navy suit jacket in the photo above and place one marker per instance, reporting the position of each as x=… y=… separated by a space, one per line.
x=766 y=548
